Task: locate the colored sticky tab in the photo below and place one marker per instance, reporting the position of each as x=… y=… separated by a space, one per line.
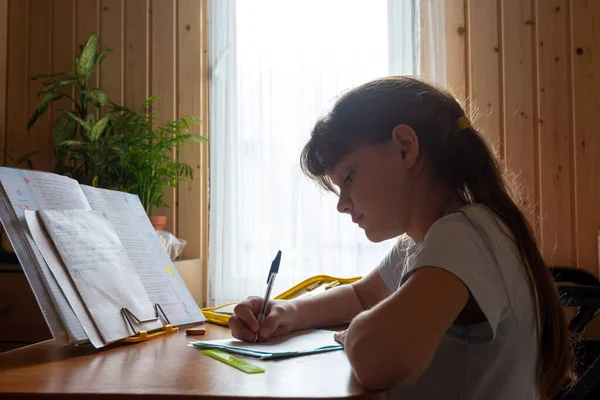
x=235 y=362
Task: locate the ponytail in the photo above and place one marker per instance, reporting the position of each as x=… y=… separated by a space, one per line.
x=484 y=184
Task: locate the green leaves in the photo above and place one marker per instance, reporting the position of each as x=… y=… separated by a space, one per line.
x=87 y=59
x=25 y=158
x=50 y=86
x=86 y=127
x=86 y=132
x=99 y=127
x=101 y=56
x=53 y=75
x=72 y=143
x=85 y=63
x=98 y=97
x=43 y=106
x=146 y=148
x=64 y=129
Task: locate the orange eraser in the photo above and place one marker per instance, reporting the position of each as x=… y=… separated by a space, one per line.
x=195 y=331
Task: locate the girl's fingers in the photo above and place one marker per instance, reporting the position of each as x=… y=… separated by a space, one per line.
x=270 y=324
x=247 y=310
x=239 y=330
x=339 y=337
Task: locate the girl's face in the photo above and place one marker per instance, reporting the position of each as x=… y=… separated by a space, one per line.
x=376 y=185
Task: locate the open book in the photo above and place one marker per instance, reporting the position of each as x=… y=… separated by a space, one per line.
x=131 y=260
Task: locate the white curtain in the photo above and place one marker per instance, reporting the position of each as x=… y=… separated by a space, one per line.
x=275 y=67
x=432 y=36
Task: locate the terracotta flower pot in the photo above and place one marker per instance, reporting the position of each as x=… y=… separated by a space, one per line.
x=158 y=222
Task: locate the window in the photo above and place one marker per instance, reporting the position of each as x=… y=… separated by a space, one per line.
x=276 y=66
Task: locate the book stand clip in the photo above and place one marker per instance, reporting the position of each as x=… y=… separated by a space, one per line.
x=141 y=336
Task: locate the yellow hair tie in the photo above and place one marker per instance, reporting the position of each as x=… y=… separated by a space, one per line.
x=463 y=123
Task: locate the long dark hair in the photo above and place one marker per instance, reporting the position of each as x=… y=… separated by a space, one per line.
x=460 y=159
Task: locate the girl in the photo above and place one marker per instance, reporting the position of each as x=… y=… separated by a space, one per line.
x=463 y=307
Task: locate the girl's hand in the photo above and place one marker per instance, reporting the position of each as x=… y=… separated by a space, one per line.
x=278 y=321
x=340 y=337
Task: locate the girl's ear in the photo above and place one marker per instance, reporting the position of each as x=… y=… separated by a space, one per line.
x=406 y=142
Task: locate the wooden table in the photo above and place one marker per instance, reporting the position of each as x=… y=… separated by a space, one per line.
x=167 y=368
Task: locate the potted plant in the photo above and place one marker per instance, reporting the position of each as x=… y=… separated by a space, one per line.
x=144 y=152
x=122 y=149
x=88 y=159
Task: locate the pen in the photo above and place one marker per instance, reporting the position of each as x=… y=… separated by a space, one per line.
x=270 y=279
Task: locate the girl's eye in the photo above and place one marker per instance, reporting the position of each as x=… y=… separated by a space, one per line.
x=348 y=178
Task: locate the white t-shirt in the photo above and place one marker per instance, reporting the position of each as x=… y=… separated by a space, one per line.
x=493 y=360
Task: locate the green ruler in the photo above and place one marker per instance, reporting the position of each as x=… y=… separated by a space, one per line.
x=234 y=361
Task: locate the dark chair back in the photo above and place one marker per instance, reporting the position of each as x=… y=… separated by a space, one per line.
x=579 y=288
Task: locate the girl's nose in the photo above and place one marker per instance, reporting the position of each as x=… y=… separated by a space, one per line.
x=344 y=204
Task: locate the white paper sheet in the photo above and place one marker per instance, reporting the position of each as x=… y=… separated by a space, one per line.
x=153 y=265
x=226 y=309
x=55 y=264
x=305 y=341
x=100 y=269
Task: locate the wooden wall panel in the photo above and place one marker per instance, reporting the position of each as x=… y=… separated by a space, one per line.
x=520 y=133
x=555 y=132
x=136 y=53
x=111 y=37
x=531 y=73
x=443 y=45
x=158 y=47
x=63 y=53
x=192 y=64
x=3 y=66
x=38 y=43
x=204 y=159
x=17 y=111
x=456 y=48
x=87 y=22
x=164 y=81
x=484 y=77
x=586 y=105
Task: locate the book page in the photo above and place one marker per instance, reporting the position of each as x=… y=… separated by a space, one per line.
x=101 y=271
x=52 y=258
x=159 y=276
x=34 y=190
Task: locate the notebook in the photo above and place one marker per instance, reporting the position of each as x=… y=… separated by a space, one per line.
x=300 y=343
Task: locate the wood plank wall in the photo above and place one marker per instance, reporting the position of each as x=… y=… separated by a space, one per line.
x=530 y=70
x=158 y=47
x=3 y=82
